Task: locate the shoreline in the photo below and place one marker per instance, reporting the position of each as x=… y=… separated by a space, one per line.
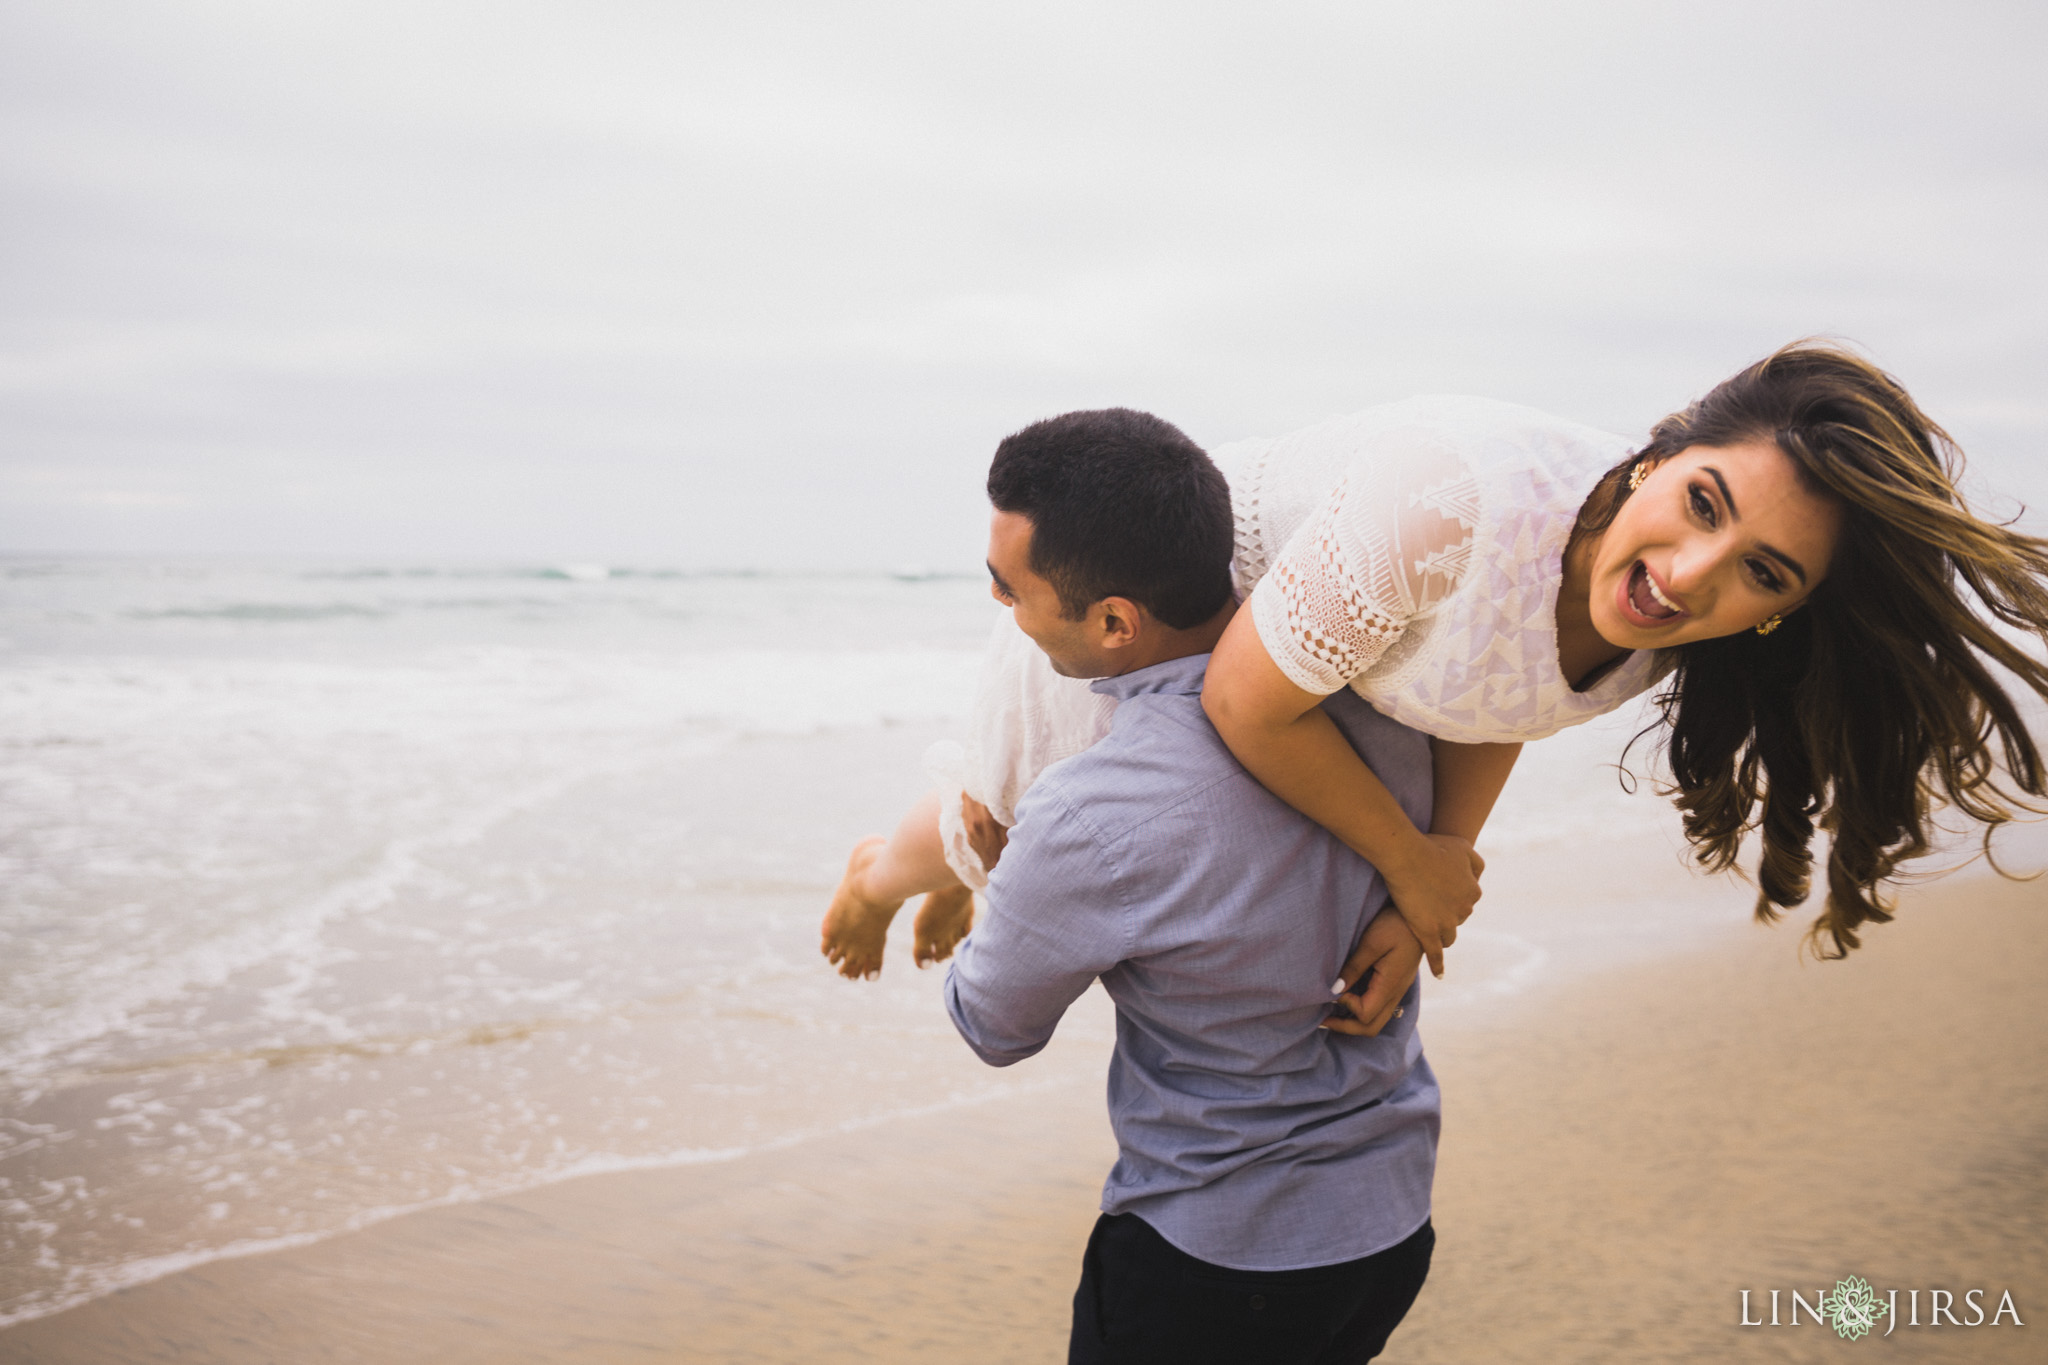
x=1755 y=1121
x=148 y=1270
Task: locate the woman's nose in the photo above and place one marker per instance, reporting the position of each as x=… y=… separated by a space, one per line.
x=1696 y=566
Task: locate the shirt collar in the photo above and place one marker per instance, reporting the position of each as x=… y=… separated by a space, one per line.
x=1182 y=676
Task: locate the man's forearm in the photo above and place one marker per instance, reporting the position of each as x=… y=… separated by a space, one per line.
x=1052 y=923
x=995 y=1040
x=1015 y=975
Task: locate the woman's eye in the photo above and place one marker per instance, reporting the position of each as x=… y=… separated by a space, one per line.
x=1702 y=506
x=1766 y=578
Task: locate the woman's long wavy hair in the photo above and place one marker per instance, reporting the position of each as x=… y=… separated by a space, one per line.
x=1874 y=703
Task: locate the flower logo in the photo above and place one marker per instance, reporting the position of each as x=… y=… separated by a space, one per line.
x=1852 y=1309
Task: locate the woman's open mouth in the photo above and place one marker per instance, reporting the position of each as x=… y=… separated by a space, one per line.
x=1645 y=602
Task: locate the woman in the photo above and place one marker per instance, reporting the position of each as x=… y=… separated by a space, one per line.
x=1790 y=552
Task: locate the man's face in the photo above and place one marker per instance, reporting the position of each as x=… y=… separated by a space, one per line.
x=1036 y=604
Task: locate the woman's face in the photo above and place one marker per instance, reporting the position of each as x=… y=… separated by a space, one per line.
x=1716 y=540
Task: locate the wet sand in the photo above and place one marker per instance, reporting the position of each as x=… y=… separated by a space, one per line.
x=1622 y=1156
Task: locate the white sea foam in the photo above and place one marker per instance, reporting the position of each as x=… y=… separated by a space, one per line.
x=82 y=1284
x=332 y=892
x=1489 y=967
x=260 y=726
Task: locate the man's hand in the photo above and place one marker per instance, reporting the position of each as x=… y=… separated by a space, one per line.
x=1385 y=963
x=1435 y=888
x=988 y=835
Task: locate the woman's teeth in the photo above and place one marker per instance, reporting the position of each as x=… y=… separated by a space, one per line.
x=1647 y=599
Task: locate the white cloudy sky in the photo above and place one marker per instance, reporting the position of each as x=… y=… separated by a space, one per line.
x=760 y=284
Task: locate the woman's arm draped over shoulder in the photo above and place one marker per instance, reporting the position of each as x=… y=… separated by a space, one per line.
x=1381 y=552
x=1280 y=734
x=1469 y=778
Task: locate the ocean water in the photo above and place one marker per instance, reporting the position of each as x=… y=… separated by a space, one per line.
x=329 y=891
x=333 y=890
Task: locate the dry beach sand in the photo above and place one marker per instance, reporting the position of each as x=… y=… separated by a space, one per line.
x=1623 y=1154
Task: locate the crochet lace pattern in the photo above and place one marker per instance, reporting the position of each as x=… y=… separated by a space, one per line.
x=1419 y=560
x=1373 y=558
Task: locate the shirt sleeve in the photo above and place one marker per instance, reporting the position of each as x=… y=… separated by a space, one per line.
x=1055 y=921
x=1389 y=543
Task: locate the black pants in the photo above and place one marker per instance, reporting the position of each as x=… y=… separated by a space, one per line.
x=1142 y=1299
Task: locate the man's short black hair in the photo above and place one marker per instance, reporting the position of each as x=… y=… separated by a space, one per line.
x=1121 y=504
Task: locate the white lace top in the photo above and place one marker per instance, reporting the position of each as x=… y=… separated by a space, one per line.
x=1412 y=552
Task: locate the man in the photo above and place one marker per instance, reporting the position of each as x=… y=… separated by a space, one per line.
x=1270 y=1202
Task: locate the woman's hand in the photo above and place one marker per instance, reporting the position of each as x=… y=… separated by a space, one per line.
x=1280 y=734
x=1384 y=964
x=1435 y=885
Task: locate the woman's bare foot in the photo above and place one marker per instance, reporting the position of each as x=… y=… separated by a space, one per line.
x=856 y=927
x=942 y=921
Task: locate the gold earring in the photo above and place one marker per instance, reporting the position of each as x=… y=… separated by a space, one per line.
x=1766 y=627
x=1636 y=476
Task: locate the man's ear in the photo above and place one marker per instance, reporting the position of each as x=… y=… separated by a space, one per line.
x=1119 y=622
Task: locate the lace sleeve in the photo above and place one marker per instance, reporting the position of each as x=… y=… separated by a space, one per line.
x=1390 y=542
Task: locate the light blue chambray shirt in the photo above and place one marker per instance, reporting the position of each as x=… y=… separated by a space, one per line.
x=1217 y=917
